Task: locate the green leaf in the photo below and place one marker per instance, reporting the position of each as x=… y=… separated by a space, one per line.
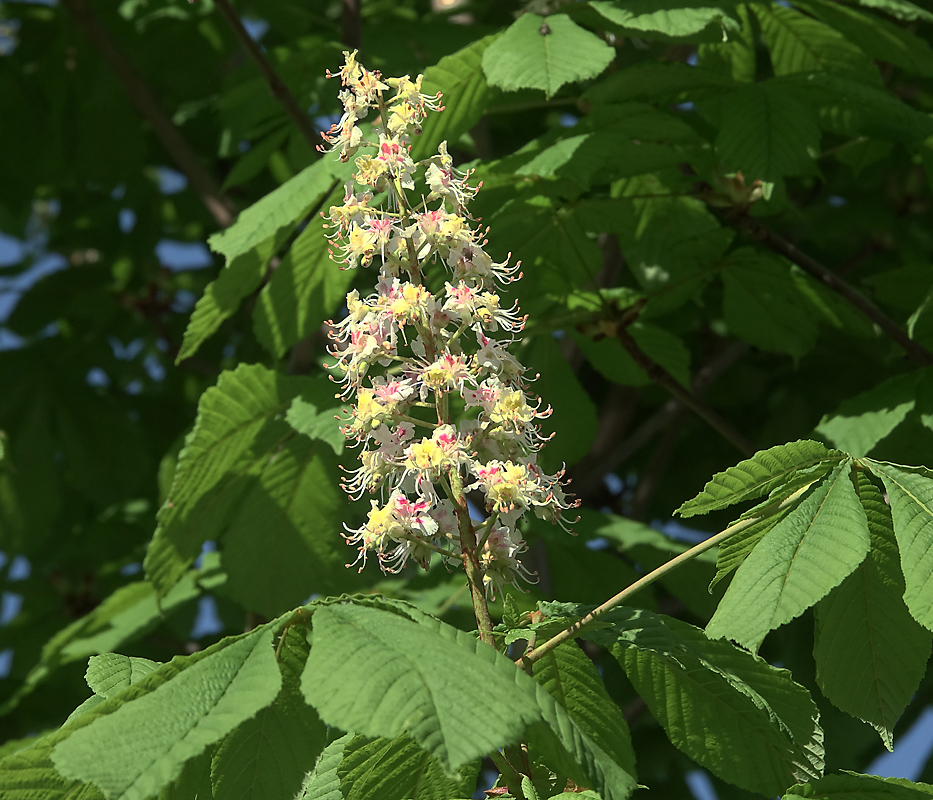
x=306 y=287
x=572 y=679
x=767 y=133
x=307 y=418
x=733 y=713
x=870 y=653
x=799 y=43
x=574 y=419
x=124 y=616
x=323 y=782
x=735 y=549
x=270 y=497
x=761 y=474
x=111 y=673
x=677 y=19
x=249 y=243
x=460 y=79
x=544 y=53
x=853 y=108
x=397 y=769
x=900 y=9
x=876 y=36
x=143 y=745
x=762 y=304
x=808 y=553
x=853 y=786
x=736 y=58
x=653 y=81
x=610 y=359
x=378 y=674
x=910 y=495
x=30 y=775
x=268 y=755
x=863 y=421
x=381 y=674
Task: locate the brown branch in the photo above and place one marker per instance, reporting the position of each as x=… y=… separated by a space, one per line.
x=351 y=25
x=279 y=90
x=220 y=207
x=663 y=378
x=762 y=233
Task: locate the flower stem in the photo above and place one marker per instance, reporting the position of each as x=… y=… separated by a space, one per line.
x=470 y=562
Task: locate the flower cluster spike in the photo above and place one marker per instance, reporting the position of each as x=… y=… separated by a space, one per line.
x=408 y=357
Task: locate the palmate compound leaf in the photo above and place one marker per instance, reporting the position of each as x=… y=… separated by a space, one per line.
x=870 y=652
x=761 y=474
x=544 y=53
x=854 y=786
x=808 y=553
x=269 y=496
x=733 y=713
x=380 y=674
x=910 y=494
x=131 y=750
x=267 y=756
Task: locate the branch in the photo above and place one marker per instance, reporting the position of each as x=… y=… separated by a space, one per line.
x=351 y=26
x=279 y=90
x=662 y=377
x=528 y=659
x=219 y=205
x=761 y=232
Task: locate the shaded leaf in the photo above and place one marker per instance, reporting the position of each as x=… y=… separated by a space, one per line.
x=863 y=421
x=246 y=479
x=870 y=653
x=762 y=304
x=910 y=494
x=798 y=43
x=767 y=133
x=267 y=756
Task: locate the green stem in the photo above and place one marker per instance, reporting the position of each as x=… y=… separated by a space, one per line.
x=470 y=563
x=529 y=658
x=513 y=780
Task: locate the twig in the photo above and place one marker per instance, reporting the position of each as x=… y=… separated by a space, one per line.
x=219 y=205
x=762 y=233
x=662 y=377
x=647 y=580
x=279 y=90
x=351 y=27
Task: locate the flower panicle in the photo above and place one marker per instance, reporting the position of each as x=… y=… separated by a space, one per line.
x=408 y=357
